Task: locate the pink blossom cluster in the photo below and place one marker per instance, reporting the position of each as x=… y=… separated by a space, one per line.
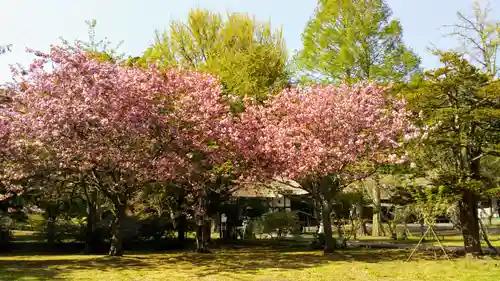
x=85 y=114
x=148 y=123
x=321 y=130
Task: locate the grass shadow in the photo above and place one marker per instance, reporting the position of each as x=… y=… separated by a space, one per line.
x=243 y=260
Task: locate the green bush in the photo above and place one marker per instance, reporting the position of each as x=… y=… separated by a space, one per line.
x=277 y=224
x=155 y=228
x=6 y=224
x=70 y=229
x=36 y=222
x=65 y=229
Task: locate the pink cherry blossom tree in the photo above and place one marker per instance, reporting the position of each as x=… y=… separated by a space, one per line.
x=121 y=127
x=310 y=136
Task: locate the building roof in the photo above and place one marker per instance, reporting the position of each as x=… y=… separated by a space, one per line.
x=278 y=187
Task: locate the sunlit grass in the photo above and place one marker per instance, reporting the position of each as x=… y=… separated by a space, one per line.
x=249 y=264
x=446 y=240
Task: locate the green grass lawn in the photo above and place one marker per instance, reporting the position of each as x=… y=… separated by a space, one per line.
x=446 y=240
x=249 y=264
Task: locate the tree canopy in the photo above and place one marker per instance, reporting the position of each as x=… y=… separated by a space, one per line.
x=352 y=40
x=459 y=104
x=248 y=56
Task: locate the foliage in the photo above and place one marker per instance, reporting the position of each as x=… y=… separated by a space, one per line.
x=248 y=56
x=351 y=41
x=430 y=202
x=155 y=228
x=459 y=106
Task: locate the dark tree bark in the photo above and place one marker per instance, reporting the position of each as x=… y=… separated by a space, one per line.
x=181 y=227
x=90 y=230
x=201 y=223
x=202 y=239
x=92 y=238
x=181 y=223
x=116 y=247
x=208 y=230
x=51 y=230
x=217 y=225
x=327 y=226
x=229 y=234
x=484 y=234
x=470 y=223
x=363 y=230
x=339 y=229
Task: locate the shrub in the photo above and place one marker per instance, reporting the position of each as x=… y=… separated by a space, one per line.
x=6 y=224
x=155 y=228
x=277 y=224
x=36 y=222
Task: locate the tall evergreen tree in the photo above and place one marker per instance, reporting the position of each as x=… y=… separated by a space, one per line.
x=355 y=40
x=460 y=105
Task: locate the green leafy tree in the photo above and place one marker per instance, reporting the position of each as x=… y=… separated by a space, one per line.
x=460 y=105
x=355 y=40
x=248 y=56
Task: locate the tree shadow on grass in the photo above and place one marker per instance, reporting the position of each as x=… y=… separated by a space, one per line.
x=252 y=260
x=51 y=267
x=247 y=260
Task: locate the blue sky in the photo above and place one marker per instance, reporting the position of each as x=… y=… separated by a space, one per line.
x=39 y=23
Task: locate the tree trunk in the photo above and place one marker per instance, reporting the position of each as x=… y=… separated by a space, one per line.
x=116 y=247
x=493 y=210
x=201 y=238
x=327 y=227
x=90 y=239
x=217 y=224
x=181 y=227
x=484 y=233
x=339 y=230
x=201 y=223
x=363 y=230
x=181 y=223
x=377 y=222
x=470 y=223
x=229 y=233
x=208 y=230
x=51 y=230
x=494 y=205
